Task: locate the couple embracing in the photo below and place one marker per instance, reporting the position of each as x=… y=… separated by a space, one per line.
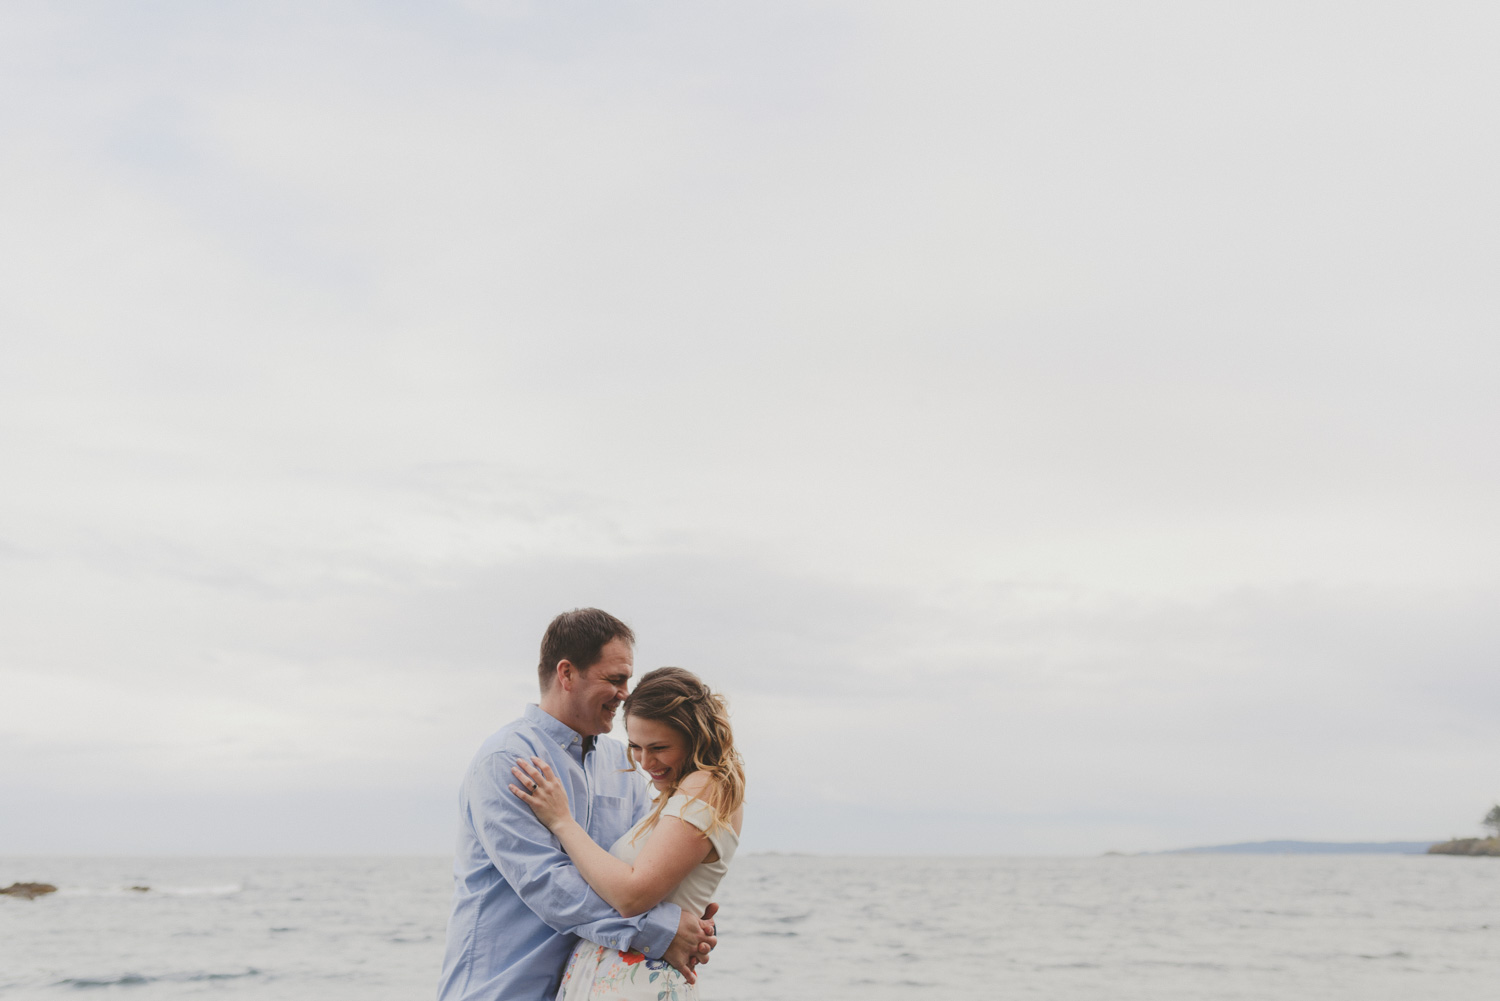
x=570 y=882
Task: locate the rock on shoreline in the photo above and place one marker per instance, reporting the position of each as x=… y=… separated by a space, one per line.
x=29 y=891
x=1467 y=846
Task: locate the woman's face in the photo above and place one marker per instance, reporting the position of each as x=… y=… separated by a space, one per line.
x=658 y=748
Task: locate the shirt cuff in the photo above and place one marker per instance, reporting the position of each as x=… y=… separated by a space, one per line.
x=659 y=929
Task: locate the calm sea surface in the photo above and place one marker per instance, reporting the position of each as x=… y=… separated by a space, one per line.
x=1289 y=928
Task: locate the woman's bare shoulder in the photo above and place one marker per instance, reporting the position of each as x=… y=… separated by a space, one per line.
x=694 y=784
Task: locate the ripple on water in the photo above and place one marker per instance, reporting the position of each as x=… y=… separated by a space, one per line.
x=137 y=979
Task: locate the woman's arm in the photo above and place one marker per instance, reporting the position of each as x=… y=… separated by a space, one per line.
x=671 y=850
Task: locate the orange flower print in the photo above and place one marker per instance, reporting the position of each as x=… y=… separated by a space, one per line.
x=631 y=958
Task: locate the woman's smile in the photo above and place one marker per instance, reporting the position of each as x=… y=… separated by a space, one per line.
x=659 y=749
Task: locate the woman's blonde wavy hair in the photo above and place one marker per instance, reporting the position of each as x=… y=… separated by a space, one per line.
x=678 y=698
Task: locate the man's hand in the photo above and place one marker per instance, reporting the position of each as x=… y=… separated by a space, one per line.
x=695 y=937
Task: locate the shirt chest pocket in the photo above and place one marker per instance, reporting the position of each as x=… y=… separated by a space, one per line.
x=610 y=818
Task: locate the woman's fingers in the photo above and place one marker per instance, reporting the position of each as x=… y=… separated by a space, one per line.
x=536 y=775
x=529 y=779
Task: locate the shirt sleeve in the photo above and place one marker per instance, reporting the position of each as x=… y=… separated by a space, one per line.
x=696 y=812
x=693 y=811
x=533 y=863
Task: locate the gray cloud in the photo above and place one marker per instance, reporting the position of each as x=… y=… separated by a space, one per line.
x=1078 y=416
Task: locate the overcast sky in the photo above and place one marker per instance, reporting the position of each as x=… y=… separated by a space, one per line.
x=1057 y=426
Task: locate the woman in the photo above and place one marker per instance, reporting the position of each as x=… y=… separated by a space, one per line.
x=679 y=735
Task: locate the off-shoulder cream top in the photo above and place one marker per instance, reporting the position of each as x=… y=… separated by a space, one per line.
x=697 y=888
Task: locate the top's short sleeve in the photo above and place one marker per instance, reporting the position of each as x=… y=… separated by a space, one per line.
x=697 y=888
x=694 y=811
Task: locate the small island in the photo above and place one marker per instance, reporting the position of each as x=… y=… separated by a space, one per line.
x=1474 y=846
x=1467 y=846
x=28 y=891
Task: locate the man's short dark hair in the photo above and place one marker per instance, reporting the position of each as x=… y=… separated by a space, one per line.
x=579 y=637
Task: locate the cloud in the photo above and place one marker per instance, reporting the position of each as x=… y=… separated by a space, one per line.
x=1077 y=416
x=1254 y=712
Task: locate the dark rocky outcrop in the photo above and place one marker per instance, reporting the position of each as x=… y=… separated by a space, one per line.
x=29 y=891
x=1467 y=846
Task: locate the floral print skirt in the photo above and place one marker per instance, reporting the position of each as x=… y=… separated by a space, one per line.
x=595 y=973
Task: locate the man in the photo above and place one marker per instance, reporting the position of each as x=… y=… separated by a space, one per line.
x=519 y=905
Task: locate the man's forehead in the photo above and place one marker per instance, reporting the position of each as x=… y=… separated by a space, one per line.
x=617 y=653
x=618 y=661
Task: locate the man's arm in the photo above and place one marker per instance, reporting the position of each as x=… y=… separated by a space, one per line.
x=524 y=852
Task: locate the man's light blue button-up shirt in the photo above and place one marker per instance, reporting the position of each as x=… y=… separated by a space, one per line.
x=519 y=905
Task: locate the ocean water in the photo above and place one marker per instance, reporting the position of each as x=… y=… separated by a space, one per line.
x=1290 y=928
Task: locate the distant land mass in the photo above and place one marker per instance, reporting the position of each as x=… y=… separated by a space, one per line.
x=1458 y=846
x=1310 y=848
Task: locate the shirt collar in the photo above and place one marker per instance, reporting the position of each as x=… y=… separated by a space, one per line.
x=562 y=735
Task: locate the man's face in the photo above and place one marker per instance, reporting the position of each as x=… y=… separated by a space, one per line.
x=598 y=692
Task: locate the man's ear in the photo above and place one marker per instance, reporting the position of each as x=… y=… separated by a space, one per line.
x=566 y=674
